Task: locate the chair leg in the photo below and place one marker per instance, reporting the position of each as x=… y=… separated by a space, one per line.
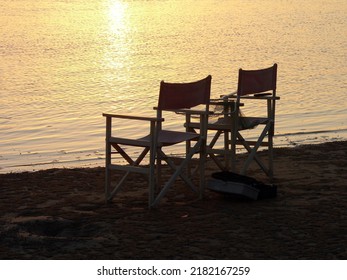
x=107 y=183
x=107 y=173
x=185 y=178
x=158 y=169
x=217 y=161
x=228 y=162
x=109 y=194
x=202 y=164
x=189 y=165
x=177 y=173
x=233 y=140
x=270 y=141
x=152 y=179
x=210 y=151
x=108 y=159
x=118 y=187
x=252 y=152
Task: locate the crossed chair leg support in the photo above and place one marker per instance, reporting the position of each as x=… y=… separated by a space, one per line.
x=228 y=152
x=253 y=150
x=133 y=163
x=153 y=198
x=178 y=173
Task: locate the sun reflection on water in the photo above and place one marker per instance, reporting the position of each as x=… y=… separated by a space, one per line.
x=116 y=16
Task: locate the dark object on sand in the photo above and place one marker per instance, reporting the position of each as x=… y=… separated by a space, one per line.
x=240 y=185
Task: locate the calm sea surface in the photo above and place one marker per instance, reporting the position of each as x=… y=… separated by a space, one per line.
x=65 y=62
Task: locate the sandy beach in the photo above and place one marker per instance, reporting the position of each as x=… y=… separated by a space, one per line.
x=61 y=214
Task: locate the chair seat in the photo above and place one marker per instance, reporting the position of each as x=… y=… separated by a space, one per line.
x=251 y=122
x=226 y=123
x=169 y=137
x=142 y=142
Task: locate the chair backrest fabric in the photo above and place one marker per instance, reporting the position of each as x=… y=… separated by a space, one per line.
x=184 y=95
x=257 y=81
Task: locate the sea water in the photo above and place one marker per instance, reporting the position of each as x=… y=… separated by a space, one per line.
x=65 y=62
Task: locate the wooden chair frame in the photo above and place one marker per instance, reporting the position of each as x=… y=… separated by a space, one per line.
x=174 y=98
x=259 y=85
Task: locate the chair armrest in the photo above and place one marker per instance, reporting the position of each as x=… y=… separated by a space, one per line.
x=230 y=95
x=133 y=117
x=188 y=111
x=220 y=102
x=193 y=112
x=266 y=96
x=260 y=97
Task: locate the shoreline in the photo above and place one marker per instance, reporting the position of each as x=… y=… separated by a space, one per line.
x=61 y=214
x=91 y=158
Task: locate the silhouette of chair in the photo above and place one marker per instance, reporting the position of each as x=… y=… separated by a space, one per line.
x=253 y=86
x=173 y=98
x=259 y=86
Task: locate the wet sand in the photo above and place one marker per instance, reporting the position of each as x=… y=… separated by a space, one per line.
x=61 y=214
